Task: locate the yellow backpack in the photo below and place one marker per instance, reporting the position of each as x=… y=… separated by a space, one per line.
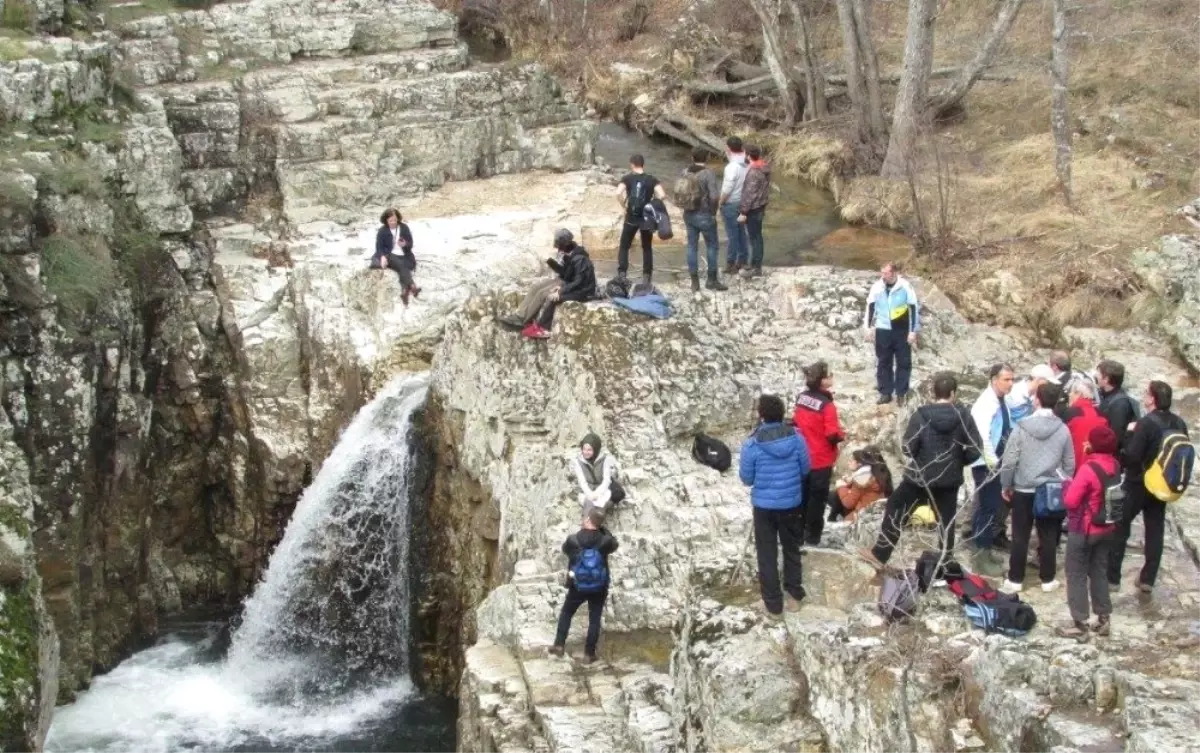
x=1168 y=476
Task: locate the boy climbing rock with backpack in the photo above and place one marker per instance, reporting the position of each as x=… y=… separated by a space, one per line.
x=697 y=192
x=587 y=553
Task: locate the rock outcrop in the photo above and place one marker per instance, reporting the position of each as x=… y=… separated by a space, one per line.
x=834 y=676
x=172 y=397
x=1171 y=270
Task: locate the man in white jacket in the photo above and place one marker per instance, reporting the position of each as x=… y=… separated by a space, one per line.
x=737 y=249
x=993 y=419
x=891 y=321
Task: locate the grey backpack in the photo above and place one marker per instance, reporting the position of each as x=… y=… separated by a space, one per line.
x=898 y=596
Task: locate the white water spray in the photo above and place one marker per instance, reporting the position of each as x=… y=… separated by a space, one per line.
x=323 y=644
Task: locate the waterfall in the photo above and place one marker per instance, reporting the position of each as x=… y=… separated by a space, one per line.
x=323 y=647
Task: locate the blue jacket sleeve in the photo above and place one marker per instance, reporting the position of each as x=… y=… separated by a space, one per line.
x=747 y=462
x=383 y=242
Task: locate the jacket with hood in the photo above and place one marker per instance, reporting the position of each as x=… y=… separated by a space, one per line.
x=816 y=419
x=584 y=538
x=1038 y=451
x=859 y=493
x=1121 y=410
x=578 y=275
x=773 y=463
x=988 y=414
x=594 y=475
x=1084 y=495
x=1081 y=418
x=756 y=191
x=733 y=178
x=939 y=441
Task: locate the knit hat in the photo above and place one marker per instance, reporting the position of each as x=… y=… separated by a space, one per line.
x=563 y=239
x=593 y=441
x=1103 y=440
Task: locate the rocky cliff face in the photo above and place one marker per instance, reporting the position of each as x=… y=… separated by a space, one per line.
x=184 y=325
x=833 y=677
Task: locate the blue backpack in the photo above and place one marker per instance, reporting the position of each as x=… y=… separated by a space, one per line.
x=1006 y=615
x=591 y=574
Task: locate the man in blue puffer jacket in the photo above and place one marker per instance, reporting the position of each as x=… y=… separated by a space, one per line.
x=774 y=465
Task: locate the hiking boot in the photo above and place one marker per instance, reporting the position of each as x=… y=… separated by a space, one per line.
x=766 y=612
x=791 y=604
x=556 y=651
x=755 y=271
x=1011 y=588
x=867 y=556
x=883 y=400
x=1145 y=588
x=732 y=268
x=588 y=658
x=1103 y=627
x=695 y=282
x=1002 y=543
x=901 y=400
x=1076 y=630
x=985 y=563
x=714 y=284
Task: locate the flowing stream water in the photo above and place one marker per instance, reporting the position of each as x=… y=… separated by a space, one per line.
x=320 y=660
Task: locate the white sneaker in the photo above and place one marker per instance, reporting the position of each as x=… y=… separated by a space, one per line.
x=1051 y=586
x=1010 y=587
x=938 y=584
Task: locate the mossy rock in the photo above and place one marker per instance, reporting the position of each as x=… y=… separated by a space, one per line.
x=18 y=667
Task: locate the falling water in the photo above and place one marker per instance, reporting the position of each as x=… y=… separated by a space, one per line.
x=322 y=649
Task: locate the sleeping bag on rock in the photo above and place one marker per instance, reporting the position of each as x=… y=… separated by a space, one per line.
x=655 y=305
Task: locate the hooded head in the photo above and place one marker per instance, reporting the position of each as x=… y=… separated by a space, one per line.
x=590 y=440
x=1102 y=440
x=563 y=239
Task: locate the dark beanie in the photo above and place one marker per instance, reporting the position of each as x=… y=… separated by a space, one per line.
x=1103 y=440
x=594 y=441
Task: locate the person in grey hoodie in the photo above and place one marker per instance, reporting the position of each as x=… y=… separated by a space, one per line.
x=1039 y=450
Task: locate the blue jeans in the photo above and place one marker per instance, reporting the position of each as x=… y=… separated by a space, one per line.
x=754 y=228
x=701 y=223
x=983 y=527
x=738 y=246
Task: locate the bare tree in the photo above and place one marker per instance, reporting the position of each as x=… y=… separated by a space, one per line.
x=909 y=113
x=1059 y=107
x=768 y=15
x=814 y=83
x=862 y=70
x=949 y=98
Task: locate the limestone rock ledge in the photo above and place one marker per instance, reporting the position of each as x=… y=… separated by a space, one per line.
x=683 y=640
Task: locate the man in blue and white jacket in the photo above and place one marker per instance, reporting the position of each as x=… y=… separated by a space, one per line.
x=891 y=321
x=774 y=464
x=992 y=415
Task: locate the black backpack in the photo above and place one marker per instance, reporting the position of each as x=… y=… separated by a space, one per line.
x=617 y=287
x=1112 y=497
x=712 y=452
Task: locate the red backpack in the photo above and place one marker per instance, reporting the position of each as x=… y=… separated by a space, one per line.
x=972 y=587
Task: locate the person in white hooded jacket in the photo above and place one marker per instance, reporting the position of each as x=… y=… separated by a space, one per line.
x=595 y=473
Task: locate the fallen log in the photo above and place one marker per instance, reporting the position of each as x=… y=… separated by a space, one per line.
x=748 y=73
x=735 y=89
x=689 y=131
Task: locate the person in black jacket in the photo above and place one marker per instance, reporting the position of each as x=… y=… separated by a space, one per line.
x=941 y=439
x=394 y=250
x=1117 y=406
x=1139 y=453
x=578 y=282
x=592 y=535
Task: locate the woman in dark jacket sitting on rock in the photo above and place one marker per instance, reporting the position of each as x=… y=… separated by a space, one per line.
x=394 y=250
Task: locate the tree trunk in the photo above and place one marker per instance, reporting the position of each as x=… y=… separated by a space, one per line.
x=1059 y=109
x=866 y=45
x=908 y=116
x=860 y=63
x=768 y=16
x=947 y=99
x=814 y=83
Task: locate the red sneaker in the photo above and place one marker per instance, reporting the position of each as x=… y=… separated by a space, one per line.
x=534 y=332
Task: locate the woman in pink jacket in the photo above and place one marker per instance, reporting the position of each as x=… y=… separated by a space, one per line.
x=1089 y=536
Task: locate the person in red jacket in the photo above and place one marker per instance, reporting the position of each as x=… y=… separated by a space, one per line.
x=816 y=419
x=1082 y=416
x=1088 y=543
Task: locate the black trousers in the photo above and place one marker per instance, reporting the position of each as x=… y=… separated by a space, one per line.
x=571 y=604
x=402 y=267
x=893 y=361
x=1049 y=531
x=837 y=510
x=816 y=492
x=773 y=528
x=1154 y=517
x=907 y=497
x=629 y=230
